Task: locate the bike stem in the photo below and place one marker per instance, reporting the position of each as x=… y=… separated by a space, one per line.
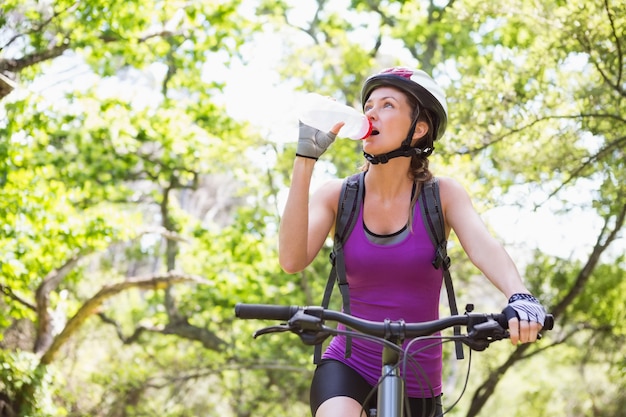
x=391 y=387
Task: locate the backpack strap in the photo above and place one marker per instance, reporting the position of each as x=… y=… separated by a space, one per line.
x=348 y=208
x=430 y=205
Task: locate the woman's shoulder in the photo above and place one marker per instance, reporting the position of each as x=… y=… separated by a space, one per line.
x=449 y=183
x=329 y=192
x=450 y=189
x=332 y=185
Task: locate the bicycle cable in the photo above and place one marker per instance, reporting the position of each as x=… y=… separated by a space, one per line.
x=407 y=358
x=443 y=340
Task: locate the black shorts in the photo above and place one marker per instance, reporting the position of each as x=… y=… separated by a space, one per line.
x=334 y=379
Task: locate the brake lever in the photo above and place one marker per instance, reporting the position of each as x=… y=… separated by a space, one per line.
x=309 y=328
x=483 y=334
x=272 y=329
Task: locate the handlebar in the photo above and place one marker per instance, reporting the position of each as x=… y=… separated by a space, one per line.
x=308 y=323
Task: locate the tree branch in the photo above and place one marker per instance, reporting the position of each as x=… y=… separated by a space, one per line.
x=42 y=299
x=6 y=85
x=617 y=144
x=118 y=329
x=512 y=132
x=18 y=64
x=8 y=291
x=487 y=388
x=599 y=61
x=602 y=243
x=182 y=328
x=91 y=306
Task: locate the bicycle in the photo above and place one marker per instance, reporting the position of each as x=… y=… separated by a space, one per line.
x=308 y=323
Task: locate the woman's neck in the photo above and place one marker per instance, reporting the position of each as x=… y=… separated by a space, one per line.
x=390 y=179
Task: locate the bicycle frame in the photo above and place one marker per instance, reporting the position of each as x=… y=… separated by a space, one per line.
x=391 y=389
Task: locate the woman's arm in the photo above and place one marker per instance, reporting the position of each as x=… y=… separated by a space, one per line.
x=481 y=247
x=485 y=252
x=306 y=222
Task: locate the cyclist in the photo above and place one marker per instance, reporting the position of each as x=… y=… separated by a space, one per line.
x=388 y=254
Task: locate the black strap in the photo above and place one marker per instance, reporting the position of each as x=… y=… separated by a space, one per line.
x=430 y=204
x=403 y=151
x=350 y=201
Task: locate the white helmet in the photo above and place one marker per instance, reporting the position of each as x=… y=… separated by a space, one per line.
x=419 y=85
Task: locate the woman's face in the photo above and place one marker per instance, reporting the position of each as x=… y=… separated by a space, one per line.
x=390 y=113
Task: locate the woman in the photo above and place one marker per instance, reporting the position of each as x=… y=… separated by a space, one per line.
x=388 y=254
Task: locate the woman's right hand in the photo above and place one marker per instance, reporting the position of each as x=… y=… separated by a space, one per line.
x=312 y=143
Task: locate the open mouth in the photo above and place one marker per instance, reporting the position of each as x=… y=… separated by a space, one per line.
x=374 y=132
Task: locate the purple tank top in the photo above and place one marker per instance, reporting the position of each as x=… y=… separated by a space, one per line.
x=396 y=281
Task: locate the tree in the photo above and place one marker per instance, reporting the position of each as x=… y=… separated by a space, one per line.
x=89 y=178
x=509 y=114
x=131 y=196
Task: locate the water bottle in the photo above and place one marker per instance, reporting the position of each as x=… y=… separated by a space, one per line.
x=323 y=113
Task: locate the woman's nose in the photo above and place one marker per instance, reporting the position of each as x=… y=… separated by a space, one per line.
x=370 y=113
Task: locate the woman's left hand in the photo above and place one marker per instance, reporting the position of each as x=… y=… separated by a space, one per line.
x=526 y=318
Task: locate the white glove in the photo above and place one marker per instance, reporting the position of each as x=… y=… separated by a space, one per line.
x=525 y=307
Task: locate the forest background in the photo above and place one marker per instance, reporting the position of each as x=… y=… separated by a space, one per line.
x=146 y=147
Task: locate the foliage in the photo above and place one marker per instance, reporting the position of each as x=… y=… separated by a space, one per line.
x=136 y=211
x=21 y=369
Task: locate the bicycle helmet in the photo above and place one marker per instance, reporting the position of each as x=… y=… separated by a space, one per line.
x=419 y=85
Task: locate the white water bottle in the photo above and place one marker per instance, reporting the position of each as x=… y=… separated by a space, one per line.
x=323 y=113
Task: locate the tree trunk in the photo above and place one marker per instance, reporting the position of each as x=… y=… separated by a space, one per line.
x=488 y=387
x=606 y=236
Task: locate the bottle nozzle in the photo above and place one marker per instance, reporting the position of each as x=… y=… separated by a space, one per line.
x=369 y=130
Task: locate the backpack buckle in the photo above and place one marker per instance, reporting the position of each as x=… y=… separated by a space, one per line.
x=441 y=259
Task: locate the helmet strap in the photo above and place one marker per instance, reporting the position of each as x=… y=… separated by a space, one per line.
x=405 y=150
x=384 y=158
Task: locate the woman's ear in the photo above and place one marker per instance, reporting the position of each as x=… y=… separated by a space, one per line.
x=421 y=128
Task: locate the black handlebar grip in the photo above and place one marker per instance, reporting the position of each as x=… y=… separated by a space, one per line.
x=548 y=324
x=264 y=311
x=502 y=320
